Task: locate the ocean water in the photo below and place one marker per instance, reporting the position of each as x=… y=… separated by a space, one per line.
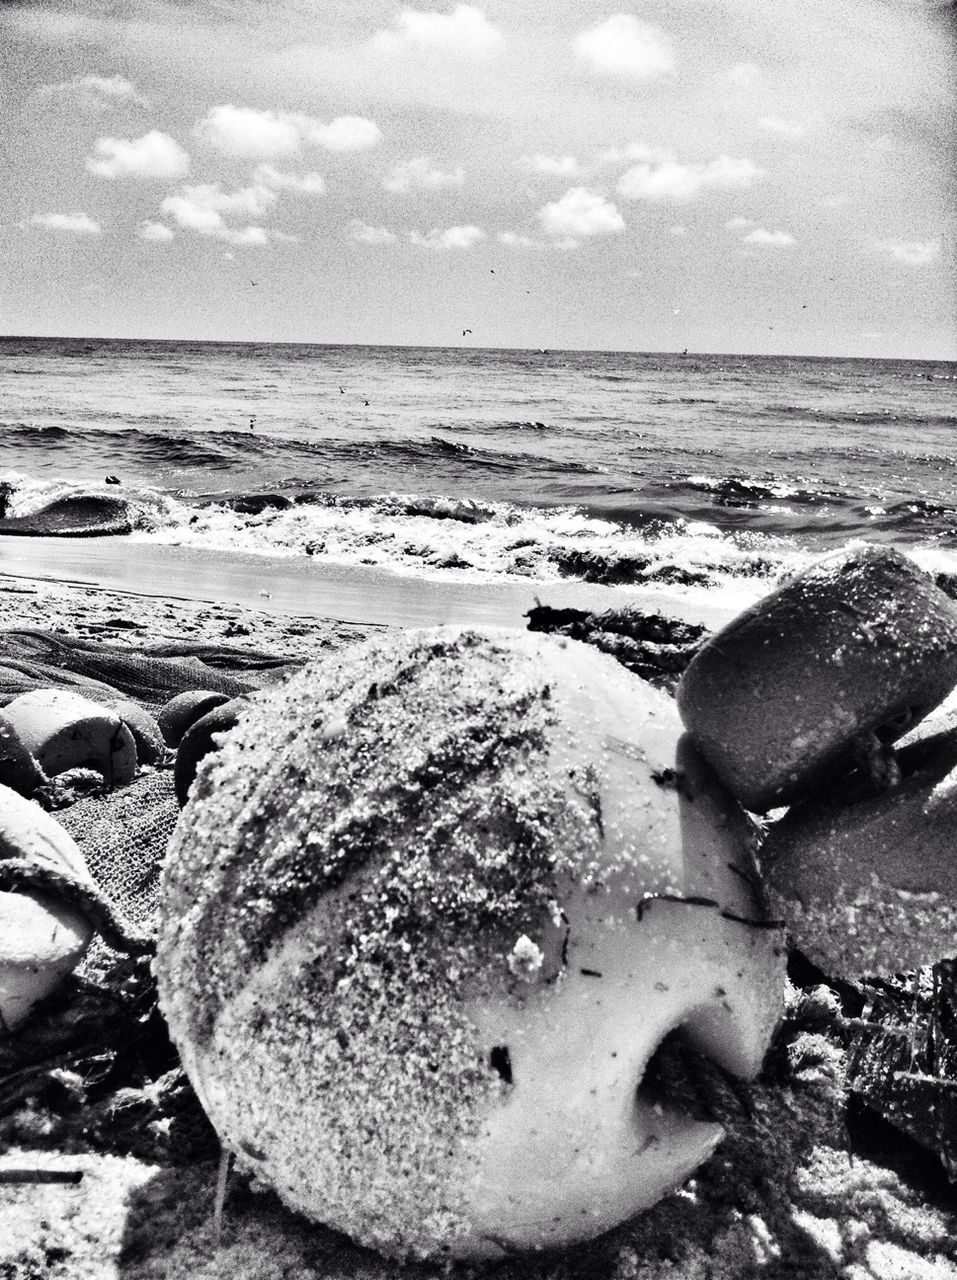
x=491 y=465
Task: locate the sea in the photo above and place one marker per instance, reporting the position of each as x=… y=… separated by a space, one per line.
x=483 y=466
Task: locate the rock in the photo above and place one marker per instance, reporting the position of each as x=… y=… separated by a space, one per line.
x=859 y=646
x=254 y=504
x=80 y=516
x=63 y=730
x=869 y=885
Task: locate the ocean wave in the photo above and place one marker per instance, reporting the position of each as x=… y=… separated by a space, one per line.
x=436 y=535
x=741 y=491
x=826 y=416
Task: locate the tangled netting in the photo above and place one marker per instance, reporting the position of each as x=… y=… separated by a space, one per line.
x=123 y=834
x=43 y=660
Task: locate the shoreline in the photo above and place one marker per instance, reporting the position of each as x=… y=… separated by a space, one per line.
x=351 y=595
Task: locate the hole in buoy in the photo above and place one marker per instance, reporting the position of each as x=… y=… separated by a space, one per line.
x=894 y=726
x=681 y=1077
x=500 y=1060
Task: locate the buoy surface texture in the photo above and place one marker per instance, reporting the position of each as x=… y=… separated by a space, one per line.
x=426 y=916
x=862 y=641
x=63 y=730
x=42 y=938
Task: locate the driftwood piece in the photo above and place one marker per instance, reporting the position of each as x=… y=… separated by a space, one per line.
x=655 y=647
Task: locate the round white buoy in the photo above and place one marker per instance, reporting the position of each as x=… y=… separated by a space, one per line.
x=429 y=912
x=63 y=730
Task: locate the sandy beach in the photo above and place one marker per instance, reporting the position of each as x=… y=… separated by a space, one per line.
x=807 y=1184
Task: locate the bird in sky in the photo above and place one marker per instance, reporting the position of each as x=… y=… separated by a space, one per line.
x=465 y=331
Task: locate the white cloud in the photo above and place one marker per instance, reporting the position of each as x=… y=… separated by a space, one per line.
x=580 y=212
x=204 y=209
x=634 y=151
x=98 y=93
x=366 y=234
x=155 y=155
x=452 y=238
x=266 y=135
x=625 y=46
x=77 y=224
x=306 y=184
x=241 y=131
x=679 y=231
x=345 y=133
x=914 y=252
x=421 y=172
x=786 y=128
x=465 y=30
x=669 y=179
x=248 y=202
x=156 y=232
x=553 y=166
x=771 y=239
x=739 y=223
x=514 y=241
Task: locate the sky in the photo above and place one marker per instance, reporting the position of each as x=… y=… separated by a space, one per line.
x=717 y=175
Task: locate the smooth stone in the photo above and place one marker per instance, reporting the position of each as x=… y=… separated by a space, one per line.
x=80 y=516
x=861 y=642
x=868 y=885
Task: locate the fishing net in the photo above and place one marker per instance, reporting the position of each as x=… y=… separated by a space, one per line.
x=123 y=833
x=123 y=836
x=100 y=1037
x=41 y=659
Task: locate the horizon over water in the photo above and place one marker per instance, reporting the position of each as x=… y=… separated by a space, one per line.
x=490 y=464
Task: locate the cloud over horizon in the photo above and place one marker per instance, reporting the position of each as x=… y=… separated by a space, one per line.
x=95 y=92
x=77 y=224
x=463 y=237
x=393 y=148
x=662 y=177
x=154 y=157
x=625 y=46
x=269 y=135
x=580 y=214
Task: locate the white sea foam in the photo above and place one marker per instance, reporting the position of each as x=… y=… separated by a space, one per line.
x=498 y=541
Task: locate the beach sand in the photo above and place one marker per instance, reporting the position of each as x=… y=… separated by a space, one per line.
x=807 y=1185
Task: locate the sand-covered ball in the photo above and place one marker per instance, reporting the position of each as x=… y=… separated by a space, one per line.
x=426 y=917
